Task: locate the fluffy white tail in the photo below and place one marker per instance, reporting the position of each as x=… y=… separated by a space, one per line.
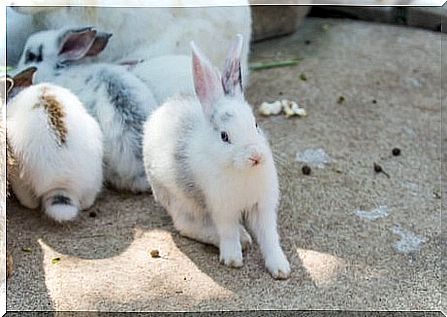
x=60 y=205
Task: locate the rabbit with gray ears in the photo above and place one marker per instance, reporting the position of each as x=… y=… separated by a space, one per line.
x=209 y=163
x=163 y=75
x=56 y=148
x=118 y=100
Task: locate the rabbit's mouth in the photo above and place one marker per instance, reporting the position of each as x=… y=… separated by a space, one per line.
x=255 y=159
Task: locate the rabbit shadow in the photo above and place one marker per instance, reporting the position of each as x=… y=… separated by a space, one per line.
x=104 y=231
x=27 y=261
x=97 y=233
x=253 y=275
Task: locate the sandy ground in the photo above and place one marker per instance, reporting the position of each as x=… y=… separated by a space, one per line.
x=342 y=256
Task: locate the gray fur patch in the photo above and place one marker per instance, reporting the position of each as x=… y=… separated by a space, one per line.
x=183 y=171
x=61 y=200
x=97 y=86
x=14 y=91
x=127 y=106
x=91 y=107
x=226 y=117
x=217 y=119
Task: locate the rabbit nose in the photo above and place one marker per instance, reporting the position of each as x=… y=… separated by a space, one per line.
x=255 y=158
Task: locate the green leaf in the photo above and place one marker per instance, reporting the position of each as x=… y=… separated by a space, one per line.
x=273 y=64
x=28 y=250
x=55 y=260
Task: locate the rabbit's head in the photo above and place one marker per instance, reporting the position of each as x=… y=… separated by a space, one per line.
x=54 y=48
x=240 y=141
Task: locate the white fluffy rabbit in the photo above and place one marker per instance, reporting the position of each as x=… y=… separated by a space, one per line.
x=209 y=163
x=56 y=146
x=117 y=99
x=143 y=33
x=165 y=75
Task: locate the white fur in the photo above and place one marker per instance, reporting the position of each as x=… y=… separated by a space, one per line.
x=47 y=168
x=230 y=182
x=165 y=75
x=143 y=33
x=122 y=143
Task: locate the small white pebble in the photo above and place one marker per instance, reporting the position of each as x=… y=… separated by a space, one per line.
x=291 y=108
x=268 y=109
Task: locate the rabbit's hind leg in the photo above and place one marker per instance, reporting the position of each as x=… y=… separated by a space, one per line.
x=185 y=219
x=139 y=183
x=24 y=193
x=192 y=224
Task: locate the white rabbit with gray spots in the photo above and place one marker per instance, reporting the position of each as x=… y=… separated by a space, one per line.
x=54 y=148
x=209 y=163
x=117 y=99
x=163 y=75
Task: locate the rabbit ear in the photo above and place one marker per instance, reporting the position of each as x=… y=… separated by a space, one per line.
x=231 y=75
x=74 y=44
x=24 y=78
x=207 y=83
x=99 y=44
x=9 y=84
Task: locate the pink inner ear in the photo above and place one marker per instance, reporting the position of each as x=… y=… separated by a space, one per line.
x=76 y=45
x=207 y=81
x=99 y=43
x=231 y=75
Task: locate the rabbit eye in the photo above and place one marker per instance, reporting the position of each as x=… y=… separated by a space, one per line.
x=34 y=57
x=224 y=137
x=31 y=57
x=256 y=124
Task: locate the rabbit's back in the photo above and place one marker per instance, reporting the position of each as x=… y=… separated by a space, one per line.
x=53 y=149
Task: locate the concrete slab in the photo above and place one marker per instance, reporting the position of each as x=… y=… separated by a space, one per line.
x=429 y=18
x=376 y=14
x=432 y=18
x=390 y=79
x=271 y=21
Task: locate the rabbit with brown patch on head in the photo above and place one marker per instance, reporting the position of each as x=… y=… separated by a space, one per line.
x=209 y=163
x=54 y=146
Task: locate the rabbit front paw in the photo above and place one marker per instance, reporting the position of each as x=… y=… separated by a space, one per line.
x=231 y=254
x=278 y=266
